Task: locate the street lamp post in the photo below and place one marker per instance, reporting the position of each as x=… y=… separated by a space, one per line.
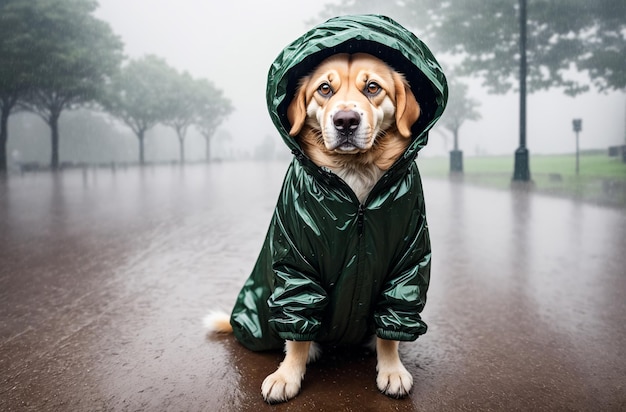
x=522 y=171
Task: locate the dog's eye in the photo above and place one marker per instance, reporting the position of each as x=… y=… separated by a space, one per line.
x=325 y=89
x=373 y=88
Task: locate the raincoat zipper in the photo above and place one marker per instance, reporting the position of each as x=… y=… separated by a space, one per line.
x=360 y=218
x=356 y=307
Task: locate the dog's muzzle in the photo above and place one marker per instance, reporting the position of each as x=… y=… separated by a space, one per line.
x=346 y=123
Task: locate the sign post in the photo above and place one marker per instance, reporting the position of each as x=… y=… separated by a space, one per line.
x=578 y=126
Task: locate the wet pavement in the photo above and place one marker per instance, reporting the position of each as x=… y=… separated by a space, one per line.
x=106 y=274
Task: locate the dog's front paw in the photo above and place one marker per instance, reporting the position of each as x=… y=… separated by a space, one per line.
x=281 y=386
x=394 y=381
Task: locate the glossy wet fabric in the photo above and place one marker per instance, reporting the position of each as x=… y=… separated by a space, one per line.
x=333 y=270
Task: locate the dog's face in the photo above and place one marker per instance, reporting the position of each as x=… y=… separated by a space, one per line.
x=351 y=101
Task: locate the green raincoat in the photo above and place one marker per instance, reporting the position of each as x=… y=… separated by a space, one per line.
x=333 y=270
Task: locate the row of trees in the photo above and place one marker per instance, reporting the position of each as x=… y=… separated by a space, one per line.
x=55 y=56
x=147 y=91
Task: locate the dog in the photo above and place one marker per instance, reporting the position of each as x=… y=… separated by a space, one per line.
x=352 y=115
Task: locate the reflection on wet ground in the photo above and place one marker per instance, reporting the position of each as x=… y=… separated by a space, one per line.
x=105 y=276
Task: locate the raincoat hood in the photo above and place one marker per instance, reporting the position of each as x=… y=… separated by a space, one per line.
x=333 y=269
x=377 y=35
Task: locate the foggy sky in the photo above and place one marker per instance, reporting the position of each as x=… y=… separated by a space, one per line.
x=233 y=44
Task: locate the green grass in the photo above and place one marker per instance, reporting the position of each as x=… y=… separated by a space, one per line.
x=602 y=179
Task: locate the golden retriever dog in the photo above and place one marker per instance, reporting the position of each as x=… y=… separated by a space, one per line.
x=353 y=115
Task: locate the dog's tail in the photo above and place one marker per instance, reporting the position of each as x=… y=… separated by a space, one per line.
x=217 y=322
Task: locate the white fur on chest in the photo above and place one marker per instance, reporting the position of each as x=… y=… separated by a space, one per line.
x=361 y=179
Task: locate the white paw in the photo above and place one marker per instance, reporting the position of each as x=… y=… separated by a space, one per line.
x=394 y=381
x=282 y=385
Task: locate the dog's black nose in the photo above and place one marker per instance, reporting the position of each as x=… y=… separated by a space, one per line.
x=346 y=121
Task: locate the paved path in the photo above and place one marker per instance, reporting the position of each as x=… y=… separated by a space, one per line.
x=105 y=276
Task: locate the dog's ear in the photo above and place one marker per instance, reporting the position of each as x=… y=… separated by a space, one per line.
x=407 y=108
x=296 y=111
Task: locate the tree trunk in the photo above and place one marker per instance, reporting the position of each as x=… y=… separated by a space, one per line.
x=4 y=137
x=140 y=136
x=455 y=132
x=181 y=142
x=54 y=130
x=208 y=149
x=181 y=132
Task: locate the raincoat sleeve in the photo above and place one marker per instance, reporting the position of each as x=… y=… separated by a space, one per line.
x=298 y=300
x=403 y=296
